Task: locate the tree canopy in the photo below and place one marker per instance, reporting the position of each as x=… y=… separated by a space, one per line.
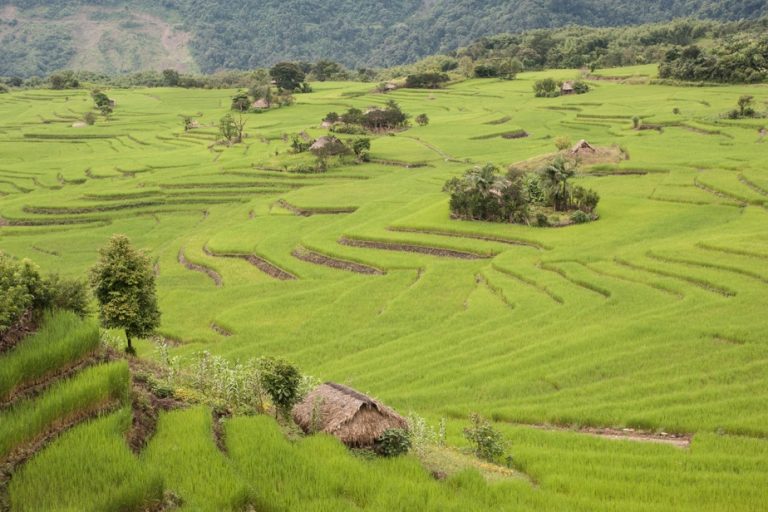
x=124 y=286
x=362 y=33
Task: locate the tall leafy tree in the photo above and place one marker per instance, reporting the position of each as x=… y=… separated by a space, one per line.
x=287 y=76
x=124 y=285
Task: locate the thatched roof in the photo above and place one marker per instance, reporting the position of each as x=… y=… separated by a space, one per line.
x=328 y=145
x=354 y=418
x=582 y=146
x=567 y=86
x=261 y=104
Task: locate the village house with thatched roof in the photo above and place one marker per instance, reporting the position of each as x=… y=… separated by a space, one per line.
x=582 y=147
x=261 y=104
x=328 y=145
x=567 y=88
x=354 y=418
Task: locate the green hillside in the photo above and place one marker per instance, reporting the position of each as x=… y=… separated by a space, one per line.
x=113 y=36
x=648 y=322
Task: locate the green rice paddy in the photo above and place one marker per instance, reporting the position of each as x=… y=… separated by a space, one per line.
x=652 y=318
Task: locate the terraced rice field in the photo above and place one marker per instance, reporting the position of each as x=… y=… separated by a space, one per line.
x=652 y=318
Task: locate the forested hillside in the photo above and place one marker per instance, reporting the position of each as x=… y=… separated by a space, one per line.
x=39 y=36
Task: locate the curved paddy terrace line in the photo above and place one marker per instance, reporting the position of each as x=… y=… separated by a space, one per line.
x=317 y=258
x=413 y=248
x=31 y=389
x=752 y=185
x=474 y=236
x=221 y=331
x=720 y=193
x=23 y=453
x=727 y=250
x=699 y=283
x=483 y=280
x=259 y=262
x=576 y=282
x=529 y=282
x=611 y=275
x=200 y=268
x=623 y=434
x=704 y=264
x=308 y=212
x=433 y=148
x=279 y=187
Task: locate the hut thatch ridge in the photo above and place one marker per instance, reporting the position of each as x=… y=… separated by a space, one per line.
x=354 y=418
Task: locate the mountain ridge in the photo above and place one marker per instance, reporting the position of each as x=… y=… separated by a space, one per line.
x=212 y=34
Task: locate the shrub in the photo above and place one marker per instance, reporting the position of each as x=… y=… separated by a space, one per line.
x=65 y=294
x=534 y=188
x=487 y=442
x=580 y=87
x=298 y=145
x=89 y=118
x=585 y=199
x=21 y=289
x=541 y=220
x=635 y=122
x=3 y=89
x=579 y=217
x=331 y=117
x=422 y=120
x=546 y=88
x=281 y=380
x=563 y=142
x=393 y=442
x=361 y=146
x=241 y=102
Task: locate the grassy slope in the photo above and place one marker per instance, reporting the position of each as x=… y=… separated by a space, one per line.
x=659 y=322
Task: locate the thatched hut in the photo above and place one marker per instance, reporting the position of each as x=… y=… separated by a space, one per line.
x=354 y=418
x=261 y=104
x=567 y=88
x=582 y=147
x=328 y=145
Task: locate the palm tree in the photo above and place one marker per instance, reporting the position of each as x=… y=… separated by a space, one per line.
x=555 y=176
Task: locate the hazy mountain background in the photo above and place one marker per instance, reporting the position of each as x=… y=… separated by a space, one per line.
x=39 y=36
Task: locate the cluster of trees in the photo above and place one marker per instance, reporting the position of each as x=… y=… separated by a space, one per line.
x=332 y=146
x=103 y=103
x=426 y=80
x=549 y=88
x=122 y=281
x=25 y=293
x=391 y=117
x=738 y=59
x=483 y=193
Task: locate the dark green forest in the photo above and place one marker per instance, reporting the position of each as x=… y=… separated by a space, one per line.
x=357 y=33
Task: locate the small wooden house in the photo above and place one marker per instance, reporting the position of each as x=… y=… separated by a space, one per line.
x=354 y=418
x=567 y=88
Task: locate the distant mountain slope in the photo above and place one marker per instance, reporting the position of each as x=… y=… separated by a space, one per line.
x=113 y=36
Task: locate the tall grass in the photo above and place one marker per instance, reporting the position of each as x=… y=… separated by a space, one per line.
x=63 y=338
x=64 y=402
x=89 y=468
x=320 y=474
x=184 y=452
